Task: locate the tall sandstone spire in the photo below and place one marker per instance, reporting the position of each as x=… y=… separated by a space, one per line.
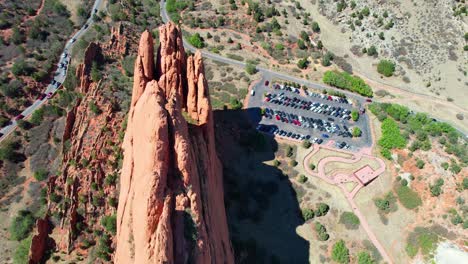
x=171 y=204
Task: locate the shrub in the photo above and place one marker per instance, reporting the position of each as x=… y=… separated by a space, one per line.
x=235 y=104
x=365 y=258
x=340 y=253
x=94 y=108
x=289 y=151
x=21 y=225
x=408 y=198
x=22 y=251
x=110 y=179
x=37 y=117
x=344 y=80
x=293 y=163
x=128 y=64
x=436 y=189
x=302 y=178
x=327 y=58
x=301 y=44
x=312 y=166
x=276 y=163
x=420 y=164
x=391 y=137
x=24 y=124
x=103 y=248
x=350 y=220
x=307 y=214
x=404 y=182
x=40 y=175
x=386 y=68
x=306 y=144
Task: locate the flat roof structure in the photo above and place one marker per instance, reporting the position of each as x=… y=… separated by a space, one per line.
x=365 y=174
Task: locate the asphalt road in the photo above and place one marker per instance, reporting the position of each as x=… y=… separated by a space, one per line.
x=257 y=101
x=268 y=73
x=59 y=76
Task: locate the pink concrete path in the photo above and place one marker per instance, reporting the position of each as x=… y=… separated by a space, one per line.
x=339 y=181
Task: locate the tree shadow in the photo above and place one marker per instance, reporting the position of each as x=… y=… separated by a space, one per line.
x=261 y=205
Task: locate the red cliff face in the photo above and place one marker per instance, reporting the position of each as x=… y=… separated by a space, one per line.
x=171 y=205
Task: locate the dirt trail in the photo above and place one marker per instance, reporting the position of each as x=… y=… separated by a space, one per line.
x=39 y=10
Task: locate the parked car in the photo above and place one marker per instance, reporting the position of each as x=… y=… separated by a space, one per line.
x=41 y=97
x=49 y=95
x=325 y=136
x=369 y=100
x=19 y=117
x=267 y=82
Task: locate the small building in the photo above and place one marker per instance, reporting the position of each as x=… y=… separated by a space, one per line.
x=365 y=175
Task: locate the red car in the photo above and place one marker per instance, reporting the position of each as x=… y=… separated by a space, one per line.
x=267 y=82
x=49 y=95
x=18 y=117
x=369 y=100
x=277 y=117
x=41 y=97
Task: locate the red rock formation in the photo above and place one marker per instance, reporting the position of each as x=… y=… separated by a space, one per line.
x=39 y=241
x=171 y=205
x=117 y=45
x=89 y=154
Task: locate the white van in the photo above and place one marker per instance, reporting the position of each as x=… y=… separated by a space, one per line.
x=252 y=92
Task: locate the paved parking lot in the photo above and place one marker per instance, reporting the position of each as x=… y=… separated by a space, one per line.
x=297 y=115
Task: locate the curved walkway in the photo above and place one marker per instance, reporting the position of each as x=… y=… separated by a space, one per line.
x=349 y=195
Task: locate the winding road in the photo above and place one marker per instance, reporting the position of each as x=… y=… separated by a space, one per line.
x=59 y=76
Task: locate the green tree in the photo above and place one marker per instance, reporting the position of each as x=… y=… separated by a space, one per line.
x=21 y=67
x=196 y=40
x=95 y=72
x=355 y=115
x=322 y=234
x=340 y=253
x=315 y=27
x=420 y=164
x=306 y=144
x=302 y=63
x=356 y=132
x=327 y=58
x=301 y=44
x=250 y=68
x=302 y=178
x=386 y=68
x=22 y=251
x=322 y=209
x=235 y=104
x=307 y=214
x=21 y=225
x=40 y=174
x=110 y=223
x=372 y=51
